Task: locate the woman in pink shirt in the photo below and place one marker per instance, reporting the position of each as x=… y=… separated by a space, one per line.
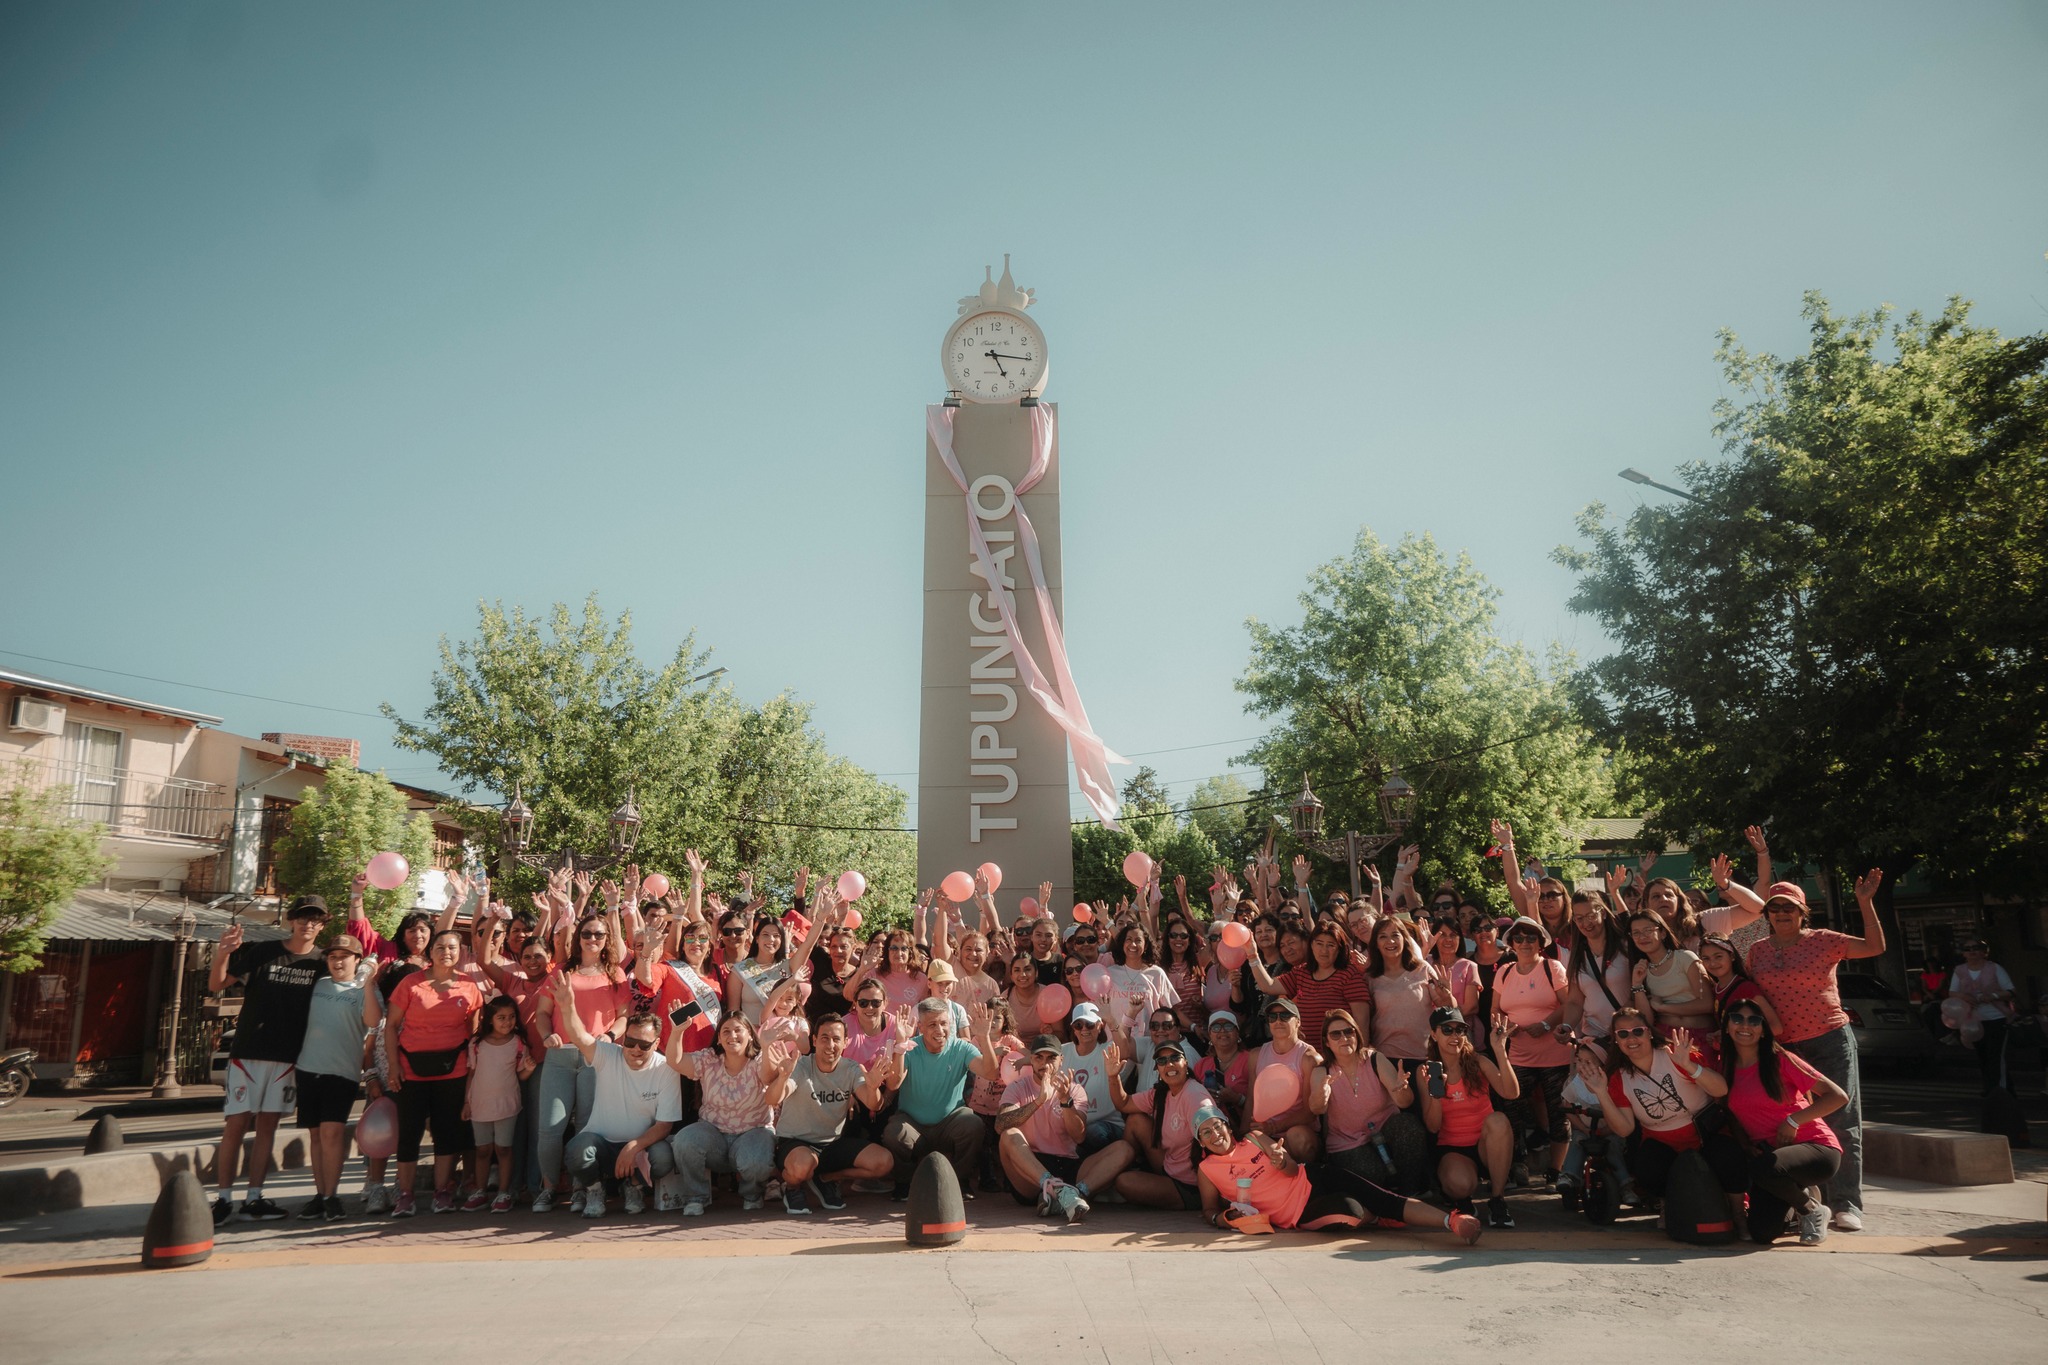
x=1795 y=968
x=1368 y=1106
x=1779 y=1101
x=1529 y=1006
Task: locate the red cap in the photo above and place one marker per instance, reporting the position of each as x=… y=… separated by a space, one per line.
x=1788 y=891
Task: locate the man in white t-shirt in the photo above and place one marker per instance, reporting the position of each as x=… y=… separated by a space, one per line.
x=639 y=1099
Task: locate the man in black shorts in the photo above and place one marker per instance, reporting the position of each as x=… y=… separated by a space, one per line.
x=814 y=1147
x=1039 y=1131
x=277 y=980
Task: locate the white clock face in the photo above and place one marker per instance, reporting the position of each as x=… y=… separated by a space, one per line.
x=995 y=357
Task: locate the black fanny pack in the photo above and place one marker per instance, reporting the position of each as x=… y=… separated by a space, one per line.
x=429 y=1065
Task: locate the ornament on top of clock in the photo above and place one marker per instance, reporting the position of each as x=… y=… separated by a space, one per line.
x=994 y=353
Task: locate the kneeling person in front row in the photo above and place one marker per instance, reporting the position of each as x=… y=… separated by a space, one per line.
x=815 y=1147
x=1040 y=1128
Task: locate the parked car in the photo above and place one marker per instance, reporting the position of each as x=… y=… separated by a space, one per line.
x=1887 y=1027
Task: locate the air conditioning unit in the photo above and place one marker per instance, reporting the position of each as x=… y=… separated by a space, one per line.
x=36 y=717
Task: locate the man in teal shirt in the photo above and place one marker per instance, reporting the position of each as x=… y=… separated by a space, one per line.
x=930 y=1081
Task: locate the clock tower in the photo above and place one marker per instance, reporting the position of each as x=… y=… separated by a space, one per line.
x=999 y=706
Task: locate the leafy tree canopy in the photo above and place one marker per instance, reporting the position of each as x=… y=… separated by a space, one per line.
x=1395 y=663
x=334 y=832
x=1842 y=633
x=46 y=858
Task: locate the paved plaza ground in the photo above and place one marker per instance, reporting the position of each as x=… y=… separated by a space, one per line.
x=1937 y=1265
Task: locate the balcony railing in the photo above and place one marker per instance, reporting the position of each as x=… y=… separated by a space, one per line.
x=138 y=804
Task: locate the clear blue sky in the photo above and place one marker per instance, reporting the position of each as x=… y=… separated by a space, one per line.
x=320 y=323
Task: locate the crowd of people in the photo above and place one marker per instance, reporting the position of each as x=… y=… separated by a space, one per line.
x=1268 y=1059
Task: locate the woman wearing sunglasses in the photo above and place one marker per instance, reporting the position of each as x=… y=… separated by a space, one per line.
x=567 y=1085
x=1367 y=1106
x=888 y=960
x=1457 y=1106
x=1795 y=967
x=1327 y=982
x=1182 y=961
x=1160 y=1128
x=1649 y=1094
x=1256 y=1178
x=1780 y=1102
x=1529 y=1006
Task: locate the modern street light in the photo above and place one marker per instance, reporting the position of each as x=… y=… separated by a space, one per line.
x=1638 y=476
x=1397 y=810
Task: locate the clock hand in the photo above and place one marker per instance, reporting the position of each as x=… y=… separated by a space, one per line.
x=991 y=354
x=999 y=355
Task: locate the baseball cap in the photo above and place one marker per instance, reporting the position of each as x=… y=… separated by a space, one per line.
x=1224 y=1017
x=1175 y=1048
x=939 y=971
x=1282 y=1004
x=1086 y=1013
x=1445 y=1014
x=1045 y=1042
x=1786 y=891
x=305 y=907
x=345 y=943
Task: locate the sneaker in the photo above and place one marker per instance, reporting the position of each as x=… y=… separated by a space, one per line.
x=223 y=1211
x=263 y=1210
x=750 y=1203
x=476 y=1203
x=502 y=1204
x=1048 y=1191
x=829 y=1197
x=1568 y=1194
x=1464 y=1227
x=576 y=1198
x=593 y=1202
x=1070 y=1205
x=545 y=1200
x=1497 y=1213
x=694 y=1209
x=332 y=1211
x=404 y=1206
x=773 y=1190
x=636 y=1197
x=794 y=1201
x=315 y=1210
x=1813 y=1226
x=1847 y=1220
x=1518 y=1177
x=376 y=1199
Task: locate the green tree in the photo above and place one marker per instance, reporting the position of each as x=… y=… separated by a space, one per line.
x=1396 y=664
x=1842 y=633
x=1149 y=822
x=46 y=858
x=335 y=831
x=565 y=707
x=1224 y=809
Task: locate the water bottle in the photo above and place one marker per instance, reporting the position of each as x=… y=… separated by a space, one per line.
x=1379 y=1145
x=1244 y=1191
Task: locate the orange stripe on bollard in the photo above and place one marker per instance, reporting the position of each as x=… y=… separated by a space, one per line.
x=931 y=1229
x=189 y=1249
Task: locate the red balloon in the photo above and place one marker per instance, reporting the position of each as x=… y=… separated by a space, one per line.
x=991 y=874
x=1274 y=1092
x=377 y=1129
x=1082 y=914
x=852 y=917
x=1095 y=982
x=1053 y=1004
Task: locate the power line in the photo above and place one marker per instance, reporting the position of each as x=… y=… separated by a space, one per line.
x=197 y=687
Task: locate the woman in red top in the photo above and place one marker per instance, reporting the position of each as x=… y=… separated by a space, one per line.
x=1795 y=967
x=431 y=1019
x=1779 y=1102
x=1457 y=1105
x=1328 y=983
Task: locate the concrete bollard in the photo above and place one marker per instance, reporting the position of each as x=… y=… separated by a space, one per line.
x=106 y=1136
x=936 y=1215
x=180 y=1229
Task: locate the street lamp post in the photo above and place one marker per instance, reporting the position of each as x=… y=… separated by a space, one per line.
x=167 y=1087
x=517 y=826
x=1397 y=810
x=1638 y=476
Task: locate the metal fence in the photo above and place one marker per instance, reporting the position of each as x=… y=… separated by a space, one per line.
x=129 y=802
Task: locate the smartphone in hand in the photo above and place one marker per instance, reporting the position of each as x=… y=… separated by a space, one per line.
x=682 y=1012
x=1436 y=1080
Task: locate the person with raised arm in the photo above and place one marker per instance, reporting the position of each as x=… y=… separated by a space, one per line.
x=815 y=1146
x=344 y=1009
x=1599 y=970
x=1652 y=1094
x=1038 y=1134
x=930 y=1082
x=1362 y=1098
x=1795 y=967
x=1458 y=1086
x=566 y=1088
x=1327 y=981
x=1447 y=959
x=637 y=1102
x=732 y=1134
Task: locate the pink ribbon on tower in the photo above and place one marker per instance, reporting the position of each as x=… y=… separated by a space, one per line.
x=1058 y=697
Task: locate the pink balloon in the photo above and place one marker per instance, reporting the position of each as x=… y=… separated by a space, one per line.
x=991 y=874
x=852 y=918
x=1028 y=907
x=1053 y=1004
x=1137 y=867
x=655 y=885
x=1216 y=995
x=1082 y=914
x=1095 y=982
x=1274 y=1092
x=1230 y=955
x=377 y=1129
x=852 y=886
x=388 y=871
x=957 y=888
x=1236 y=935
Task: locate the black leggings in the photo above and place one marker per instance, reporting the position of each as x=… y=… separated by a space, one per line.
x=435 y=1105
x=1991 y=1054
x=1547 y=1081
x=1339 y=1201
x=1778 y=1181
x=1650 y=1161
